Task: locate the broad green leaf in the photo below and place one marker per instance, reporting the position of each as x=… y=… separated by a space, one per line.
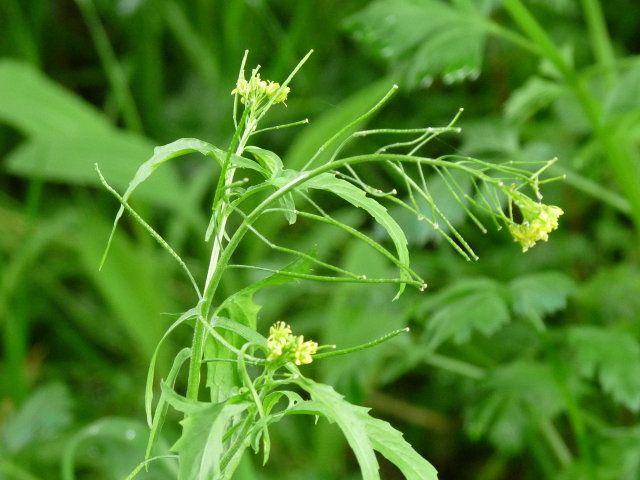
x=67 y=136
x=532 y=97
x=222 y=373
x=510 y=401
x=39 y=107
x=482 y=309
x=268 y=160
x=45 y=414
x=537 y=295
x=612 y=293
x=134 y=283
x=336 y=409
x=611 y=357
x=202 y=443
x=432 y=37
x=490 y=137
x=117 y=445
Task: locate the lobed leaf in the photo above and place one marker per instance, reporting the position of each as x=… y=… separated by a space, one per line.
x=201 y=446
x=611 y=357
x=464 y=309
x=431 y=37
x=510 y=402
x=364 y=433
x=327 y=402
x=537 y=295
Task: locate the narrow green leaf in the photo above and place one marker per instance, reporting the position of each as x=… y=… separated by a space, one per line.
x=148 y=396
x=167 y=152
x=358 y=198
x=272 y=164
x=249 y=334
x=43 y=415
x=163 y=406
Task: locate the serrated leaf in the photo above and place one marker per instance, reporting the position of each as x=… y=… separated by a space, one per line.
x=539 y=294
x=392 y=445
x=510 y=401
x=334 y=408
x=364 y=433
x=611 y=357
x=431 y=36
x=45 y=414
x=535 y=95
x=201 y=446
x=482 y=309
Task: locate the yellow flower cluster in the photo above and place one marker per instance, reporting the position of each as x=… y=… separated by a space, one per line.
x=255 y=90
x=285 y=346
x=538 y=221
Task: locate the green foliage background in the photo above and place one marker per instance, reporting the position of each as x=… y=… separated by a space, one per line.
x=517 y=366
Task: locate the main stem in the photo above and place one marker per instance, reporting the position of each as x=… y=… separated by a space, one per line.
x=220 y=207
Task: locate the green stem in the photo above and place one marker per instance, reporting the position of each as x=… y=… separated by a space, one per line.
x=600 y=40
x=455 y=366
x=216 y=266
x=554 y=440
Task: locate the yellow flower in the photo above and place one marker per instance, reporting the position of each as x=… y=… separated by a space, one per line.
x=284 y=346
x=538 y=221
x=255 y=91
x=304 y=350
x=279 y=337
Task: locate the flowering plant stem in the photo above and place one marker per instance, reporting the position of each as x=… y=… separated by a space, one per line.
x=243 y=405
